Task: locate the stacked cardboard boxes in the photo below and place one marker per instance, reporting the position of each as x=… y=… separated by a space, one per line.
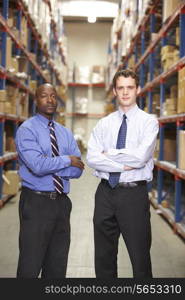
x=33 y=85
x=170 y=146
x=181 y=152
x=61 y=92
x=169 y=7
x=2 y=100
x=169 y=107
x=181 y=91
x=12 y=93
x=22 y=108
x=169 y=55
x=156 y=104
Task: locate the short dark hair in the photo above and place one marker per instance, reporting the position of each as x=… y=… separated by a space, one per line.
x=125 y=73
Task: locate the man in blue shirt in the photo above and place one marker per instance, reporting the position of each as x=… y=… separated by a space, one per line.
x=48 y=158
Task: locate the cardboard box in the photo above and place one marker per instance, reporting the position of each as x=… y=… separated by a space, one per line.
x=181 y=152
x=2 y=107
x=10 y=144
x=8 y=107
x=11 y=182
x=174 y=91
x=181 y=91
x=167 y=49
x=8 y=53
x=11 y=17
x=169 y=7
x=170 y=150
x=61 y=91
x=24 y=32
x=47 y=74
x=23 y=64
x=23 y=103
x=33 y=85
x=2 y=95
x=11 y=91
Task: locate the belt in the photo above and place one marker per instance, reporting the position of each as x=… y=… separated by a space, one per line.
x=49 y=194
x=126 y=184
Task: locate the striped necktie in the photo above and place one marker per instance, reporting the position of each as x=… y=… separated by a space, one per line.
x=114 y=176
x=55 y=152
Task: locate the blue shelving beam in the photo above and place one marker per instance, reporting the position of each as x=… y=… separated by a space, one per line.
x=151 y=63
x=18 y=26
x=142 y=68
x=182 y=32
x=1 y=153
x=160 y=176
x=178 y=193
x=2 y=84
x=178 y=181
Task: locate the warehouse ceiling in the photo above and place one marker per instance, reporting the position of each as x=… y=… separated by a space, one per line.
x=78 y=10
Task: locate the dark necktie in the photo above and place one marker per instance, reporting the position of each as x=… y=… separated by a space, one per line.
x=55 y=152
x=114 y=176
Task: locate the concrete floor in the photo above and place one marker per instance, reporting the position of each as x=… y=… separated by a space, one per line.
x=168 y=250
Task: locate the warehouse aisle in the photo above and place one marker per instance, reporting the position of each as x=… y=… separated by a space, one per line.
x=168 y=250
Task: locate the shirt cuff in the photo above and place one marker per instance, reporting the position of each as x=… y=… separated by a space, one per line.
x=66 y=160
x=113 y=151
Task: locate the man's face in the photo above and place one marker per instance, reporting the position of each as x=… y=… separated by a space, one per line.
x=46 y=100
x=126 y=91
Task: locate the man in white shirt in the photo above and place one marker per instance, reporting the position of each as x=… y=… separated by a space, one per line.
x=120 y=150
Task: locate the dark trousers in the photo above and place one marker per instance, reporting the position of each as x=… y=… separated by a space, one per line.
x=124 y=210
x=44 y=237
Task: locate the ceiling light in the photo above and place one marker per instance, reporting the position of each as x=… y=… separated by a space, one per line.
x=91 y=19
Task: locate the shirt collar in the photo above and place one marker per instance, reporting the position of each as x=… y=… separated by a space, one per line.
x=43 y=120
x=130 y=113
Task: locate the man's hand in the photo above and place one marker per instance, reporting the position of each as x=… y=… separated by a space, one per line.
x=76 y=161
x=127 y=168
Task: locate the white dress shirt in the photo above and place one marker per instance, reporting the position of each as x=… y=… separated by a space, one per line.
x=103 y=157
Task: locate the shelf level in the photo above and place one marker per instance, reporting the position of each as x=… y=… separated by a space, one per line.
x=11 y=117
x=6 y=74
x=163 y=76
x=53 y=23
x=172 y=118
x=142 y=24
x=160 y=34
x=169 y=216
x=21 y=46
x=78 y=84
x=171 y=168
x=8 y=156
x=88 y=115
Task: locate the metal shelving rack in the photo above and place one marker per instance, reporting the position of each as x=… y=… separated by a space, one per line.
x=146 y=59
x=34 y=69
x=73 y=87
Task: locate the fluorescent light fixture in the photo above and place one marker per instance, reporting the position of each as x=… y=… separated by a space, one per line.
x=82 y=8
x=91 y=19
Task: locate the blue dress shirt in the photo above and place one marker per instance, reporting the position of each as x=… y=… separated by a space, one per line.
x=36 y=164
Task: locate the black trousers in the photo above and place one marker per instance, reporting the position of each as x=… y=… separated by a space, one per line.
x=44 y=237
x=124 y=210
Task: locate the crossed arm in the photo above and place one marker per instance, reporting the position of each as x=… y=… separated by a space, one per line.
x=120 y=160
x=40 y=164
